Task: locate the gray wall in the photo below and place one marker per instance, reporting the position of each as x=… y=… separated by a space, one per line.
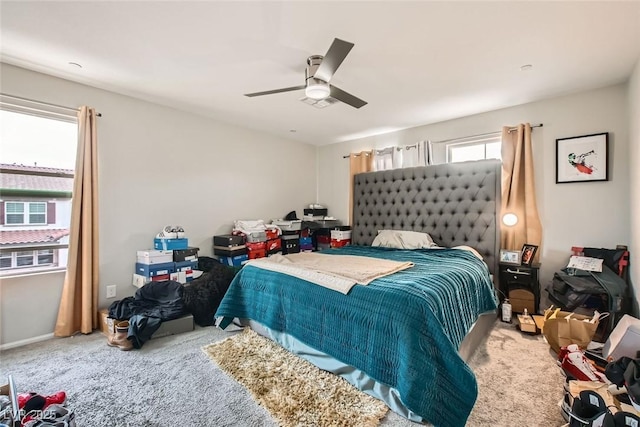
x=582 y=214
x=157 y=166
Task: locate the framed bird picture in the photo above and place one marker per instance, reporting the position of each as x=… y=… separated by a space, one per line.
x=582 y=158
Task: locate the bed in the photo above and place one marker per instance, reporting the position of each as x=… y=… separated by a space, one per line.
x=404 y=337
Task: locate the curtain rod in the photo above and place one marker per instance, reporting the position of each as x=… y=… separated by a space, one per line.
x=43 y=103
x=482 y=134
x=455 y=139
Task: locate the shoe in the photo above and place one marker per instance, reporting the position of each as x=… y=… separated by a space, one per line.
x=632 y=382
x=179 y=231
x=35 y=402
x=167 y=232
x=589 y=410
x=119 y=339
x=566 y=350
x=53 y=416
x=577 y=366
x=566 y=403
x=626 y=419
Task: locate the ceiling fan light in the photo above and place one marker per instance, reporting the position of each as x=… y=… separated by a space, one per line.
x=317 y=90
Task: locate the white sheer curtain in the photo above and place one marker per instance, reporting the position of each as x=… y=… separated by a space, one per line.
x=413 y=155
x=385 y=159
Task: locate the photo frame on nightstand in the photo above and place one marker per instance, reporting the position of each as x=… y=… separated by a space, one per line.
x=528 y=252
x=510 y=257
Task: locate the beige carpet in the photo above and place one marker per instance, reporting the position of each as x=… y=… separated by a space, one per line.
x=295 y=392
x=518 y=382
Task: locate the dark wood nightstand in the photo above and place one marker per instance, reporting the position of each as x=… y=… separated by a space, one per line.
x=520 y=283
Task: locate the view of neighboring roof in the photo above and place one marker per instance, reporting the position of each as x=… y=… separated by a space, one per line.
x=35 y=178
x=45 y=235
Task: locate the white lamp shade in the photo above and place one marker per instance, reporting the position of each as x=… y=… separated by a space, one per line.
x=509 y=219
x=317 y=90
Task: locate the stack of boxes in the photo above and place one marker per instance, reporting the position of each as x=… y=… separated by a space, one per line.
x=290 y=239
x=236 y=249
x=171 y=259
x=230 y=249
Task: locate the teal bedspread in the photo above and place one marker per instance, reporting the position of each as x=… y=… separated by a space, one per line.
x=403 y=330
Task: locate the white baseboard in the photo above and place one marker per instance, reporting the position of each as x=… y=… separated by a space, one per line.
x=25 y=342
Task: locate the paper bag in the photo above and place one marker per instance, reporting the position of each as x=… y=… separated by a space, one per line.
x=561 y=331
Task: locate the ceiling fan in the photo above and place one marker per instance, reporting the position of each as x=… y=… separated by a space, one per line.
x=318 y=74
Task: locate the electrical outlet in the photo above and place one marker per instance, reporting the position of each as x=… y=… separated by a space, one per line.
x=111 y=291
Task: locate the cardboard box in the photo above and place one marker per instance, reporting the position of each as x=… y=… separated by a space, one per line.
x=175 y=326
x=186 y=266
x=258 y=253
x=624 y=340
x=288 y=225
x=152 y=256
x=170 y=244
x=256 y=236
x=290 y=244
x=139 y=280
x=12 y=411
x=315 y=211
x=189 y=254
x=151 y=270
x=527 y=324
x=341 y=234
x=230 y=251
x=235 y=261
x=107 y=324
x=228 y=240
x=340 y=243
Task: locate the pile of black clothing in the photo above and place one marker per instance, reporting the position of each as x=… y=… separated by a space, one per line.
x=154 y=303
x=157 y=302
x=202 y=296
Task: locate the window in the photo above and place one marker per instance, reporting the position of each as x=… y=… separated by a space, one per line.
x=473 y=149
x=15 y=213
x=45 y=257
x=36 y=182
x=24 y=259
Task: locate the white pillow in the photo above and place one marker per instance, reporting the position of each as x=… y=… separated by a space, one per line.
x=401 y=239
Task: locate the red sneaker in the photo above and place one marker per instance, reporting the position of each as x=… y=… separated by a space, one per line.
x=57 y=398
x=576 y=365
x=23 y=398
x=566 y=350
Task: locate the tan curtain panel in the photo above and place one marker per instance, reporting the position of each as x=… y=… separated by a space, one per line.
x=358 y=163
x=78 y=310
x=518 y=190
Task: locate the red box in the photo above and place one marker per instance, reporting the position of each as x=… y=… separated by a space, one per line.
x=160 y=278
x=324 y=239
x=271 y=234
x=273 y=245
x=255 y=246
x=256 y=249
x=257 y=253
x=340 y=243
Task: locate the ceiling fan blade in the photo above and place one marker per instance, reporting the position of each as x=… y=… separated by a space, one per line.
x=269 y=92
x=332 y=60
x=346 y=97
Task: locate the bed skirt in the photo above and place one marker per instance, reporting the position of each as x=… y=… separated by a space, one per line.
x=359 y=379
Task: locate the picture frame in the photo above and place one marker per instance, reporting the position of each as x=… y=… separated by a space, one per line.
x=582 y=158
x=510 y=257
x=528 y=253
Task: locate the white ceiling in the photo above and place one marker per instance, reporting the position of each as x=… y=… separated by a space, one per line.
x=414 y=62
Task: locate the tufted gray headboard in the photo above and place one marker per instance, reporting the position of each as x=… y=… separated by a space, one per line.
x=456 y=203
